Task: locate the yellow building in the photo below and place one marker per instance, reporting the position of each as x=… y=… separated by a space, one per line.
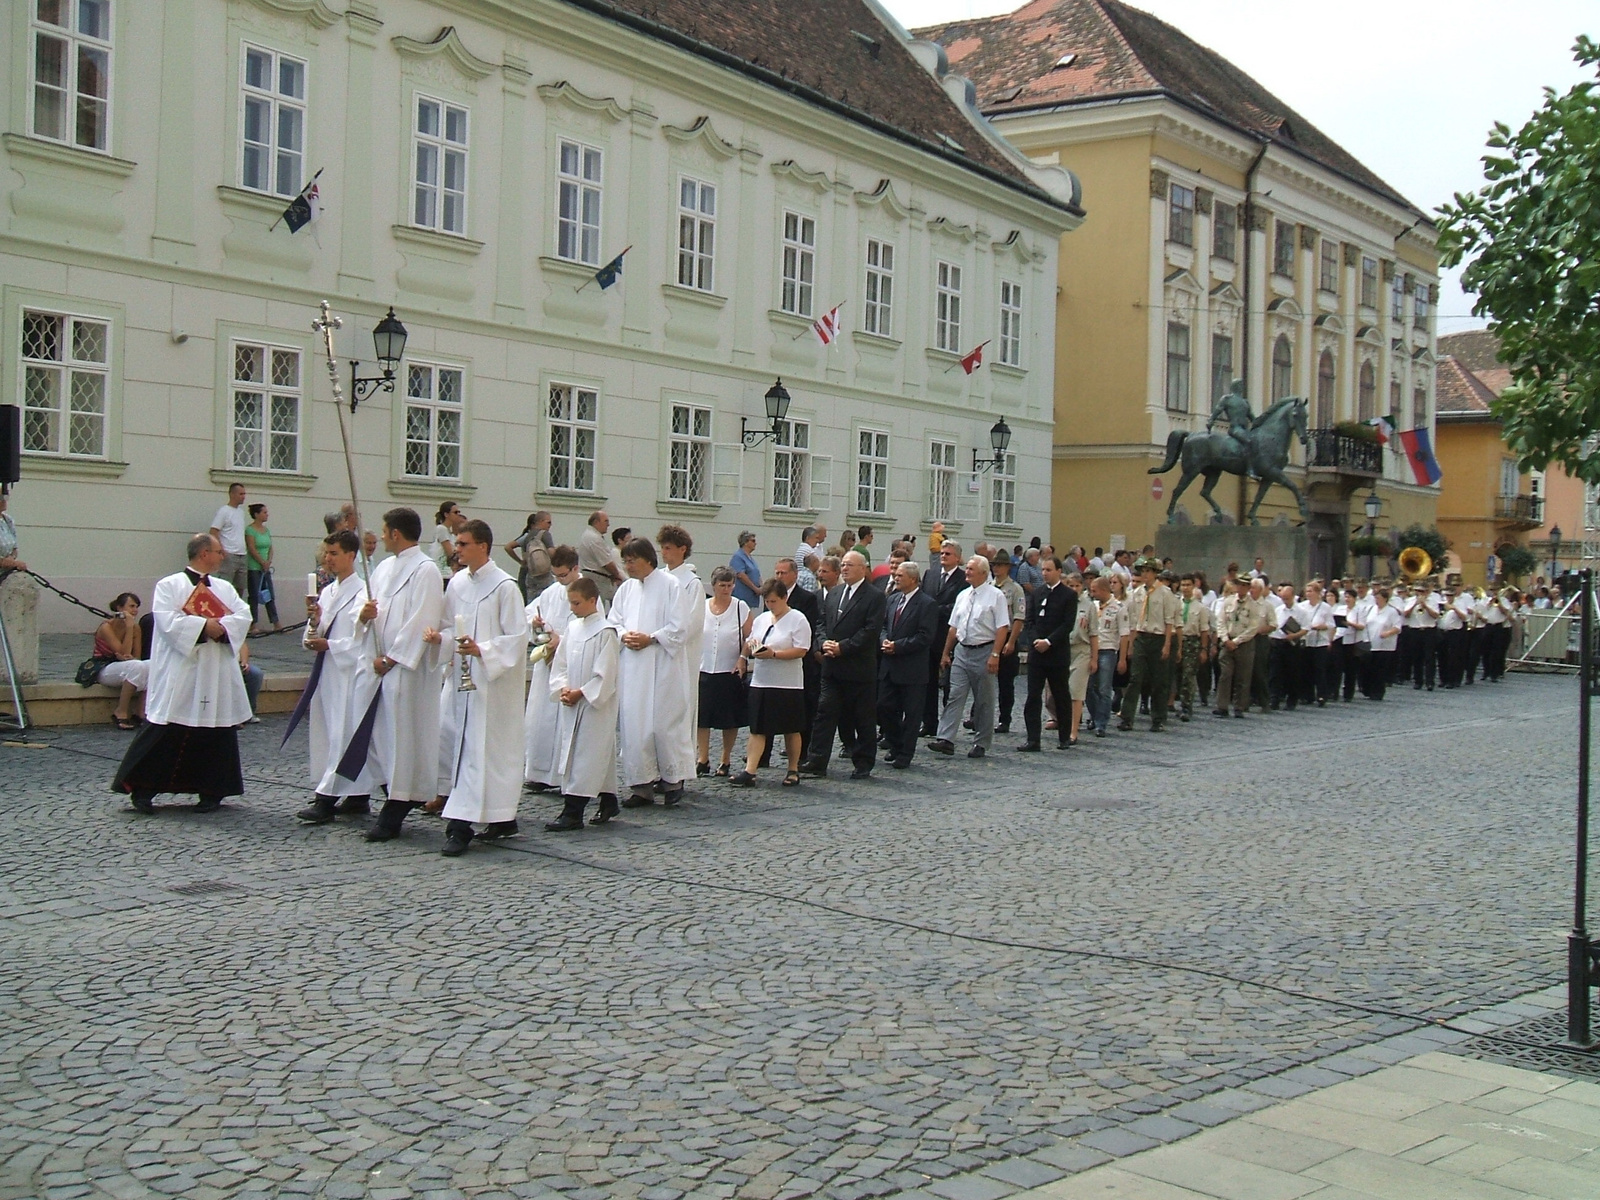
x=1226 y=237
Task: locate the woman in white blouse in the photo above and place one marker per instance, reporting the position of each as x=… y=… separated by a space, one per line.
x=778 y=642
x=722 y=670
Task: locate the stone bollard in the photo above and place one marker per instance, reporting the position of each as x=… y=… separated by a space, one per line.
x=19 y=608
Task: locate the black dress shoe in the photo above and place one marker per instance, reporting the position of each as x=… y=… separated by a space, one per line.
x=636 y=801
x=940 y=746
x=143 y=802
x=535 y=788
x=500 y=829
x=976 y=752
x=861 y=773
x=1003 y=728
x=208 y=804
x=355 y=806
x=608 y=809
x=1125 y=726
x=899 y=764
x=1102 y=732
x=455 y=847
x=672 y=795
x=1028 y=748
x=565 y=823
x=811 y=768
x=319 y=812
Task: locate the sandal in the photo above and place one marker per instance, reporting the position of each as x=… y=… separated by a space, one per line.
x=701 y=770
x=124 y=723
x=722 y=771
x=792 y=779
x=743 y=779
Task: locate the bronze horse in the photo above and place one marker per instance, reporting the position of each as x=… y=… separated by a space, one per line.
x=1264 y=456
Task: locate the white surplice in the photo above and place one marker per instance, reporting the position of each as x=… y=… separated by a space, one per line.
x=195 y=682
x=694 y=624
x=344 y=689
x=657 y=725
x=539 y=718
x=480 y=732
x=586 y=732
x=410 y=594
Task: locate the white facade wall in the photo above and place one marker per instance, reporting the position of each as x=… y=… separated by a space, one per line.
x=157 y=238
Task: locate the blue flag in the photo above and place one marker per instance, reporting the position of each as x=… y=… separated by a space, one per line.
x=608 y=274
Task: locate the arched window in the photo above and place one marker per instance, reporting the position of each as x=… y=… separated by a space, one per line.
x=1367 y=393
x=1282 y=367
x=1325 y=384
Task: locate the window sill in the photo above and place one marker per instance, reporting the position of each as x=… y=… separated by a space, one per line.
x=573 y=270
x=568 y=501
x=68 y=467
x=1007 y=371
x=792 y=516
x=875 y=341
x=676 y=291
x=428 y=489
x=251 y=201
x=21 y=146
x=451 y=243
x=1008 y=530
x=789 y=320
x=283 y=481
x=878 y=521
x=944 y=358
x=687 y=508
x=951 y=526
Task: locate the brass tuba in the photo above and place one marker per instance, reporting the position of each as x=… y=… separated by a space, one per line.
x=1415 y=562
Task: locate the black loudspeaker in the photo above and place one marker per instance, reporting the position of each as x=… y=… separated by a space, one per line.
x=10 y=443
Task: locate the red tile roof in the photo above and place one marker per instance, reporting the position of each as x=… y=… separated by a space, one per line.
x=1064 y=52
x=1479 y=351
x=1461 y=395
x=835 y=53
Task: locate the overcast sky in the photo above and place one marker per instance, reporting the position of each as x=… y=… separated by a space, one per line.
x=1410 y=88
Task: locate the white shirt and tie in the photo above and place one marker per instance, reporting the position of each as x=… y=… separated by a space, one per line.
x=979 y=615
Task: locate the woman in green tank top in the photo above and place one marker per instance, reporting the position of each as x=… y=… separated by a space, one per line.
x=258 y=553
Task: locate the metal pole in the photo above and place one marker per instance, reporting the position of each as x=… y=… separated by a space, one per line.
x=325 y=325
x=1578 y=951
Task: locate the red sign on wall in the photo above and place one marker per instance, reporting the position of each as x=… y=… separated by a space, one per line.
x=1157 y=488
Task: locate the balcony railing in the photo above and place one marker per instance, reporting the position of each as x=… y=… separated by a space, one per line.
x=1523 y=510
x=1332 y=450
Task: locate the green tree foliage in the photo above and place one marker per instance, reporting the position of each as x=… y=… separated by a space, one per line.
x=1517 y=561
x=1531 y=238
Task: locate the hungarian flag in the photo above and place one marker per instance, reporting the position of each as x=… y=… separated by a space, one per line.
x=608 y=274
x=1384 y=430
x=304 y=208
x=971 y=362
x=827 y=325
x=1419 y=453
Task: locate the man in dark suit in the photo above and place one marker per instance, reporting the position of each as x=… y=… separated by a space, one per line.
x=852 y=627
x=908 y=631
x=809 y=605
x=942 y=586
x=1051 y=613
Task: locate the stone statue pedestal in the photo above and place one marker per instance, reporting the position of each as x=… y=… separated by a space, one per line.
x=19 y=607
x=1284 y=549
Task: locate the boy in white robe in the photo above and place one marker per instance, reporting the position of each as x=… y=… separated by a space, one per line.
x=583 y=682
x=342 y=686
x=400 y=729
x=480 y=731
x=550 y=610
x=189 y=743
x=676 y=546
x=656 y=725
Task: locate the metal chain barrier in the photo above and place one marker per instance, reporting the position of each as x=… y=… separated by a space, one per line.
x=105 y=616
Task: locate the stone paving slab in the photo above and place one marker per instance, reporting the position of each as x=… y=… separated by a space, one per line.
x=942 y=981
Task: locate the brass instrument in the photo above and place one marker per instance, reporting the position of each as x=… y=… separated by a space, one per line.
x=1415 y=562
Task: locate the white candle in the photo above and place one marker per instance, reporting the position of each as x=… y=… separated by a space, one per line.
x=311 y=583
x=461 y=626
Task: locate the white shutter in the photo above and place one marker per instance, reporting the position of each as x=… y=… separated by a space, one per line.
x=969 y=503
x=727 y=473
x=820 y=485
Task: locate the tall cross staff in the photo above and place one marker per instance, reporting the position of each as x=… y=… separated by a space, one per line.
x=325 y=325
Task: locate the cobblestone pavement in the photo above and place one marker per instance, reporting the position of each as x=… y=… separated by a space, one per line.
x=847 y=989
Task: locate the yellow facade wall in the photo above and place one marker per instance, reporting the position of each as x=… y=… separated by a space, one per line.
x=1470 y=454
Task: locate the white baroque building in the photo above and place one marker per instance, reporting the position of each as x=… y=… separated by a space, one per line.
x=480 y=160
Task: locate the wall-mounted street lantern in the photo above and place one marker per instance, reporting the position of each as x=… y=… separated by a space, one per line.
x=389 y=341
x=777 y=402
x=999 y=439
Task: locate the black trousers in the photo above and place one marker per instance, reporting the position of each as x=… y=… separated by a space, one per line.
x=1381 y=667
x=1452 y=656
x=1351 y=667
x=1058 y=677
x=1405 y=653
x=1008 y=688
x=1283 y=672
x=1477 y=643
x=1316 y=682
x=1424 y=656
x=900 y=714
x=1496 y=646
x=847 y=708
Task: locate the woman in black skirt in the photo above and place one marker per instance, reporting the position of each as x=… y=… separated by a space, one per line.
x=778 y=642
x=722 y=670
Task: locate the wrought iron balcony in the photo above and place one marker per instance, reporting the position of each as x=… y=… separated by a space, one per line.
x=1333 y=450
x=1520 y=510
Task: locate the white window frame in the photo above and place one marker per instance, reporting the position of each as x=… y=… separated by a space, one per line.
x=1010 y=323
x=1180 y=214
x=686 y=447
x=1369 y=282
x=1179 y=379
x=435 y=407
x=805 y=477
x=444 y=150
x=797 y=268
x=571 y=460
x=68 y=370
x=1397 y=297
x=578 y=239
x=1419 y=305
x=277 y=103
x=1003 y=492
x=271 y=393
x=942 y=476
x=1229 y=253
x=697 y=233
x=79 y=46
x=947 y=306
x=877 y=313
x=872 y=471
x=1328 y=266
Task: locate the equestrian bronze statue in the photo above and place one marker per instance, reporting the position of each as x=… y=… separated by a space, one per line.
x=1248 y=446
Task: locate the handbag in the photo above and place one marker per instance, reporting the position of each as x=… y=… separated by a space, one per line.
x=264 y=592
x=89 y=670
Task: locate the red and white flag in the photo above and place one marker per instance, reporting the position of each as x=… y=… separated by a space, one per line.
x=971 y=362
x=826 y=326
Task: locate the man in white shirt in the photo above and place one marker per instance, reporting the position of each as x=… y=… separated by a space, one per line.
x=228 y=528
x=1383 y=622
x=1315 y=616
x=1495 y=613
x=1423 y=622
x=979 y=631
x=810 y=547
x=656 y=730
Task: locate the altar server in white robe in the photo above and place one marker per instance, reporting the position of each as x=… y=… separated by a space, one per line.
x=343 y=685
x=676 y=546
x=656 y=722
x=583 y=682
x=550 y=611
x=480 y=730
x=400 y=731
x=189 y=744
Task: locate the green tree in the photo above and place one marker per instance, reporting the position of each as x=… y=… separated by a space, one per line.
x=1531 y=238
x=1517 y=561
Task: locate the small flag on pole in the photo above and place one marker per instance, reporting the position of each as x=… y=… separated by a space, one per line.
x=611 y=272
x=1419 y=453
x=1383 y=429
x=971 y=362
x=304 y=208
x=827 y=325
